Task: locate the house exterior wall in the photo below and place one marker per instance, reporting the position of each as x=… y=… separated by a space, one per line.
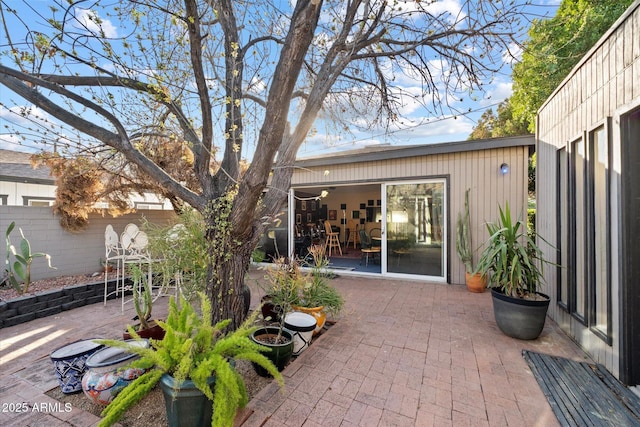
x=602 y=87
x=477 y=169
x=15 y=192
x=71 y=253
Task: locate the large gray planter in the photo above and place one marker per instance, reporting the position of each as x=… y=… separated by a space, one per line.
x=519 y=318
x=186 y=405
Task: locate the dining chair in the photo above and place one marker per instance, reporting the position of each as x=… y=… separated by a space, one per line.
x=366 y=247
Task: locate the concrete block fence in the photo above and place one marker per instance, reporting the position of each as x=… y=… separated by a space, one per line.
x=71 y=253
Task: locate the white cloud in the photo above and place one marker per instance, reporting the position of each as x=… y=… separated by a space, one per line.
x=513 y=54
x=24 y=116
x=89 y=20
x=498 y=93
x=10 y=141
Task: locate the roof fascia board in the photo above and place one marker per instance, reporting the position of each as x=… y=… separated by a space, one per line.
x=421 y=150
x=26 y=180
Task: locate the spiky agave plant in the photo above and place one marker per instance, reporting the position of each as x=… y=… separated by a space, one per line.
x=194 y=349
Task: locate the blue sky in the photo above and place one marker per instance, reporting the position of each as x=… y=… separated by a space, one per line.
x=418 y=127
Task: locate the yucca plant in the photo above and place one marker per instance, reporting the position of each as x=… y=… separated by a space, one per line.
x=193 y=349
x=511 y=257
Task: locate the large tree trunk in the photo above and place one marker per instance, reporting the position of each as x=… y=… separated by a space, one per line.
x=226 y=286
x=229 y=257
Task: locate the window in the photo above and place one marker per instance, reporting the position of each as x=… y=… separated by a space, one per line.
x=562 y=206
x=599 y=243
x=149 y=206
x=577 y=228
x=584 y=230
x=37 y=201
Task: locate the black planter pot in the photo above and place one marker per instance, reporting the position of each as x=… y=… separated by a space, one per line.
x=270 y=311
x=246 y=295
x=519 y=318
x=280 y=354
x=186 y=406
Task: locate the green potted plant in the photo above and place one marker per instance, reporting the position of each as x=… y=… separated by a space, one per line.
x=514 y=264
x=143 y=304
x=476 y=282
x=317 y=297
x=194 y=365
x=281 y=294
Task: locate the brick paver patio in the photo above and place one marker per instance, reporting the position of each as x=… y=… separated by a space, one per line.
x=403 y=353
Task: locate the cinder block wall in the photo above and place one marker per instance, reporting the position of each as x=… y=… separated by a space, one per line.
x=72 y=253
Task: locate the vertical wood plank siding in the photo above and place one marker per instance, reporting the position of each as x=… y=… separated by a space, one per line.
x=603 y=84
x=478 y=170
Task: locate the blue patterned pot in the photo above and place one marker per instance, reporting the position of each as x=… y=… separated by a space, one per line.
x=107 y=373
x=69 y=362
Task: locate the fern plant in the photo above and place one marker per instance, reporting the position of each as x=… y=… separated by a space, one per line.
x=194 y=349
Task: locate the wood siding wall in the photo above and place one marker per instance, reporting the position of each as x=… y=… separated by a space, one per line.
x=604 y=85
x=478 y=170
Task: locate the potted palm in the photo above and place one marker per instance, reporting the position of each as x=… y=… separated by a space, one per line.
x=194 y=364
x=476 y=282
x=514 y=264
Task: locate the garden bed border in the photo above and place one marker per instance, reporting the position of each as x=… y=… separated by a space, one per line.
x=29 y=307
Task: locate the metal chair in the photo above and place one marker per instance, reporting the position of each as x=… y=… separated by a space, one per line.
x=112 y=253
x=134 y=244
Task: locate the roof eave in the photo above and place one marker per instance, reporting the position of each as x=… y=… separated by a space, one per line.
x=420 y=150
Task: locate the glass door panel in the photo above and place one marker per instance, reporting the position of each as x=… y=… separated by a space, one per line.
x=415 y=228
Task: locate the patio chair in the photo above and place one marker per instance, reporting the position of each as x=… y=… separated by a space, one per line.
x=112 y=253
x=366 y=247
x=332 y=239
x=134 y=244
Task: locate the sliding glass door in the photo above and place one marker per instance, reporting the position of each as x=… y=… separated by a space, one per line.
x=415 y=228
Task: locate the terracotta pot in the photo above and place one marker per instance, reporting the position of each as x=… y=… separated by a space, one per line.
x=475 y=282
x=317 y=312
x=154 y=331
